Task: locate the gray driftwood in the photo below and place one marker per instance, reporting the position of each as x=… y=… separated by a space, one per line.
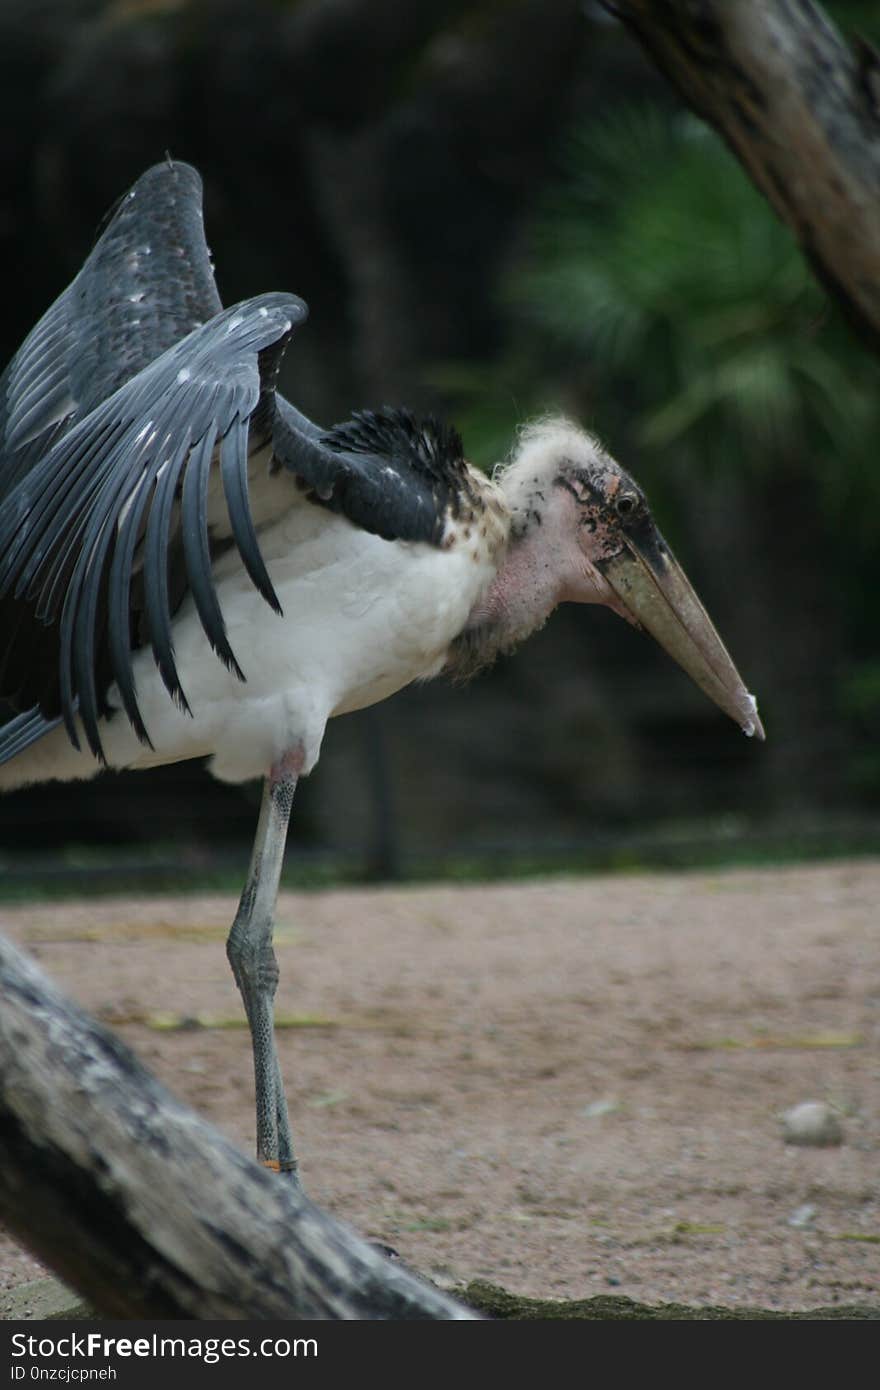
x=799 y=109
x=144 y=1208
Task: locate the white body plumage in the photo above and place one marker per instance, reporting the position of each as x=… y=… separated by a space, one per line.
x=362 y=617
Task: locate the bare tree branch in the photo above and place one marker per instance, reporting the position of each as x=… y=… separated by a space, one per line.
x=799 y=110
x=145 y=1209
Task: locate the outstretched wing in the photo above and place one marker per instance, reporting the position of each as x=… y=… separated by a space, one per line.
x=131 y=392
x=147 y=283
x=124 y=494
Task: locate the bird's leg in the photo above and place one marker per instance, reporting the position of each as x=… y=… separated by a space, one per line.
x=252 y=957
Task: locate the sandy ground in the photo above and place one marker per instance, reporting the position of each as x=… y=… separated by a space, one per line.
x=566 y=1087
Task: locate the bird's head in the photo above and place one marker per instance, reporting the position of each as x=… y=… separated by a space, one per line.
x=582 y=530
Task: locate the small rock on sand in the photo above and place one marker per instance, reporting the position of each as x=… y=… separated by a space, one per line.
x=812 y=1122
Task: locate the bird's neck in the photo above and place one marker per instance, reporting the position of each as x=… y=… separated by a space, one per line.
x=518 y=602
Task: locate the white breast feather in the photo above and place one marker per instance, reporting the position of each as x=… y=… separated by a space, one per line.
x=362 y=617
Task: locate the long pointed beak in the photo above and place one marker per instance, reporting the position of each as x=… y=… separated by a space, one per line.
x=656 y=593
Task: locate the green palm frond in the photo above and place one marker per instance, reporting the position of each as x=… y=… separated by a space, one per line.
x=659 y=264
x=660 y=300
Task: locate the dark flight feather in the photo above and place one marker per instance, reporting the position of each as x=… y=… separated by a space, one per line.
x=132 y=389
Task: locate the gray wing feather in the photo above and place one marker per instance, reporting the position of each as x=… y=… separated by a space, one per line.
x=147 y=283
x=112 y=414
x=149 y=446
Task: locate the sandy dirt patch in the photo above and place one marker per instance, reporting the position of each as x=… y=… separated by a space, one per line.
x=566 y=1086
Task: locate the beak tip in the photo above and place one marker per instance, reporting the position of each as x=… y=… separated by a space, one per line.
x=751 y=725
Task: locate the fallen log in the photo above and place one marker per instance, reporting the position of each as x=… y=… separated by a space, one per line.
x=143 y=1207
x=50 y=1300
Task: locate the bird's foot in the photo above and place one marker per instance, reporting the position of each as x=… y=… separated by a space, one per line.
x=285 y=1168
x=276 y=1165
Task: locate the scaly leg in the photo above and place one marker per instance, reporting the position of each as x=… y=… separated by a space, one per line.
x=252 y=957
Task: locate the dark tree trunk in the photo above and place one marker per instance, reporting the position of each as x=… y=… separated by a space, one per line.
x=801 y=112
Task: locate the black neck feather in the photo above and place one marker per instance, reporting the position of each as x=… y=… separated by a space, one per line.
x=429 y=446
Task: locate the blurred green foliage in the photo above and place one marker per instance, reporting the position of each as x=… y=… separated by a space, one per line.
x=657 y=297
x=660 y=298
x=855 y=17
x=660 y=265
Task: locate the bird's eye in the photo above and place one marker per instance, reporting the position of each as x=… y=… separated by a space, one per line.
x=626 y=504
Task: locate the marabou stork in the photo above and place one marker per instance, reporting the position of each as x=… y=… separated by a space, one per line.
x=190 y=567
